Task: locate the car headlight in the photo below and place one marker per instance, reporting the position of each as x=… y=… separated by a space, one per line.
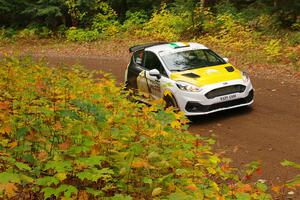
x=188 y=87
x=245 y=76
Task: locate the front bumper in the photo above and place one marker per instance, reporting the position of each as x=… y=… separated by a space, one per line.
x=197 y=103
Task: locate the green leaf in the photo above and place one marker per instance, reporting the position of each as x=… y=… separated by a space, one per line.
x=6 y=177
x=21 y=132
x=68 y=190
x=47 y=181
x=181 y=171
x=95 y=193
x=29 y=158
x=48 y=192
x=261 y=186
x=295 y=181
x=22 y=166
x=287 y=163
x=121 y=197
x=181 y=196
x=59 y=166
x=243 y=196
x=214 y=159
x=147 y=180
x=95 y=174
x=69 y=113
x=92 y=160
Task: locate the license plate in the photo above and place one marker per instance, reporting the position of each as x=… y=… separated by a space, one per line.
x=228 y=97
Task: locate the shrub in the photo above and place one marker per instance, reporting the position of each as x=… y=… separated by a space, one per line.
x=273 y=49
x=165 y=25
x=134 y=20
x=296 y=25
x=34 y=32
x=44 y=32
x=81 y=35
x=293 y=38
x=7 y=33
x=65 y=134
x=106 y=20
x=27 y=33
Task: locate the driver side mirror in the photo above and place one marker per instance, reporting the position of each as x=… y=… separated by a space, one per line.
x=226 y=60
x=155 y=72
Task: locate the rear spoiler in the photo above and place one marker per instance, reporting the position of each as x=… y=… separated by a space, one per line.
x=143 y=46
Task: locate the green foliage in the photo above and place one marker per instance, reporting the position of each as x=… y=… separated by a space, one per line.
x=81 y=35
x=106 y=20
x=166 y=25
x=134 y=21
x=65 y=134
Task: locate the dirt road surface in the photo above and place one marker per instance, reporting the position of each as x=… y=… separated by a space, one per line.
x=268 y=132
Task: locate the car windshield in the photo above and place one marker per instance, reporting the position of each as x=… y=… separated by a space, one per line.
x=191 y=59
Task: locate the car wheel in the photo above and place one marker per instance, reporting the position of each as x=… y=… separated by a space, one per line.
x=170 y=101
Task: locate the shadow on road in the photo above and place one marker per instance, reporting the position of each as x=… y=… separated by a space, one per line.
x=219 y=116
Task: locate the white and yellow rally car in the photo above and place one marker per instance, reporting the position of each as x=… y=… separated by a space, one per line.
x=188 y=76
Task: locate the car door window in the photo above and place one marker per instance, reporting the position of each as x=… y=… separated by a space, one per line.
x=152 y=62
x=138 y=57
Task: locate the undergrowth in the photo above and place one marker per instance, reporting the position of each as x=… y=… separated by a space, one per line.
x=66 y=133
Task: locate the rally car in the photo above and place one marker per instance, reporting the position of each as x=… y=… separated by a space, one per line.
x=188 y=76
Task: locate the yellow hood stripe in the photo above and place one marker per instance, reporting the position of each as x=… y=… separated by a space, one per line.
x=208 y=75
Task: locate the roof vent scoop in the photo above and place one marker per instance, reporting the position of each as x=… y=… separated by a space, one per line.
x=191 y=75
x=229 y=69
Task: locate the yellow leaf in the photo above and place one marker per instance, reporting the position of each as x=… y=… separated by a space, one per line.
x=156 y=191
x=123 y=171
x=13 y=144
x=175 y=124
x=61 y=176
x=7 y=128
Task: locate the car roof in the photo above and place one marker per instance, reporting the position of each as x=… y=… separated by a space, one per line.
x=175 y=47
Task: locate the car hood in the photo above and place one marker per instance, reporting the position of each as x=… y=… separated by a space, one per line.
x=208 y=75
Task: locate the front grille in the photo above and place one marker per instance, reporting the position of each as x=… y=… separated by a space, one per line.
x=197 y=107
x=225 y=91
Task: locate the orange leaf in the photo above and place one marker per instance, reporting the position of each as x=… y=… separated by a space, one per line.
x=4 y=105
x=87 y=133
x=245 y=188
x=57 y=126
x=83 y=195
x=139 y=164
x=192 y=187
x=10 y=190
x=259 y=171
x=276 y=189
x=65 y=145
x=42 y=155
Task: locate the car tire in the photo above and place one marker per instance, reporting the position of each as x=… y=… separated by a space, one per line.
x=170 y=101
